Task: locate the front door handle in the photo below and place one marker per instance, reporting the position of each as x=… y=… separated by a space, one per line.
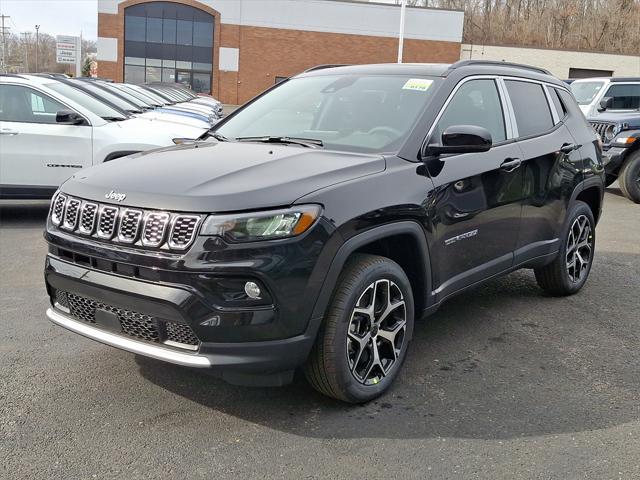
x=7 y=131
x=510 y=164
x=569 y=147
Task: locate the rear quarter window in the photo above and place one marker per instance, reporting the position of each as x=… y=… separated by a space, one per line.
x=530 y=106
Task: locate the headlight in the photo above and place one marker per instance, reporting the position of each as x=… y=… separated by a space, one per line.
x=610 y=132
x=247 y=227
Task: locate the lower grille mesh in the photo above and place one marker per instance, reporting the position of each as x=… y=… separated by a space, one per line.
x=133 y=324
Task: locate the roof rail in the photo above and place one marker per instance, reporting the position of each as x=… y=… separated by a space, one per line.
x=13 y=75
x=328 y=65
x=464 y=63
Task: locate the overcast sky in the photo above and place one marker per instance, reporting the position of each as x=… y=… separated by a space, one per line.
x=57 y=17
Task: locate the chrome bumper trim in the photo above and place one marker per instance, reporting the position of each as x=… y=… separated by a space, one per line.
x=134 y=346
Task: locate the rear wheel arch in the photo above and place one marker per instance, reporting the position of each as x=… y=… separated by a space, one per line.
x=591 y=192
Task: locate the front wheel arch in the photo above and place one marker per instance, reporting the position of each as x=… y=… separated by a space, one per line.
x=119 y=154
x=363 y=242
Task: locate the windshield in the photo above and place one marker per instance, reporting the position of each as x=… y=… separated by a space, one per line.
x=585 y=92
x=127 y=96
x=104 y=95
x=87 y=101
x=360 y=113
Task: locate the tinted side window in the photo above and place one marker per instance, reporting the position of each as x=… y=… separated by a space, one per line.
x=530 y=106
x=560 y=108
x=624 y=96
x=22 y=104
x=475 y=103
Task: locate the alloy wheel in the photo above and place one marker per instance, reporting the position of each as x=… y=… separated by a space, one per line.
x=579 y=248
x=376 y=333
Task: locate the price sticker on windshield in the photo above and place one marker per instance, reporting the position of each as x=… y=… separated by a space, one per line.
x=419 y=84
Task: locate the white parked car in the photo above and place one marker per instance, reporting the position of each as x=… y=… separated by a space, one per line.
x=589 y=92
x=50 y=130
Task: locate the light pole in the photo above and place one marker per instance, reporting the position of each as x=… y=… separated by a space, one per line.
x=37 y=39
x=403 y=7
x=26 y=51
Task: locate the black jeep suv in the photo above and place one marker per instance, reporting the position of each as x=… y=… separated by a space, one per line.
x=314 y=224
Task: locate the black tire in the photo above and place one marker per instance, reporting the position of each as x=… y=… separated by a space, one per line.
x=629 y=177
x=332 y=359
x=558 y=278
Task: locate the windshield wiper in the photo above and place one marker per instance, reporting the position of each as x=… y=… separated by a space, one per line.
x=216 y=135
x=305 y=142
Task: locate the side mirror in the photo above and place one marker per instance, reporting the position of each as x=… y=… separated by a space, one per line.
x=462 y=139
x=67 y=117
x=605 y=103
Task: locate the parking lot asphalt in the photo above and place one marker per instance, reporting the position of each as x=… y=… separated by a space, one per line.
x=502 y=382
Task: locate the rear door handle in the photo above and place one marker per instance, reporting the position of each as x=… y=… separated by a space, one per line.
x=569 y=147
x=7 y=131
x=510 y=164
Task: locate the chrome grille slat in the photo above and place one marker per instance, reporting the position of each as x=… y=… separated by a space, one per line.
x=131 y=226
x=107 y=222
x=601 y=128
x=88 y=215
x=183 y=229
x=155 y=225
x=71 y=214
x=57 y=211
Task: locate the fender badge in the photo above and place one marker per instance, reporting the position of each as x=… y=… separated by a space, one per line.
x=113 y=195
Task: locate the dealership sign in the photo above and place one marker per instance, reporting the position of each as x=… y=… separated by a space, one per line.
x=67 y=49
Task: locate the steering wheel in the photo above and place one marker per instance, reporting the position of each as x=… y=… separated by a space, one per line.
x=390 y=132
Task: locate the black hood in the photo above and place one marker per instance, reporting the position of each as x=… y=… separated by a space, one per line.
x=220 y=177
x=632 y=119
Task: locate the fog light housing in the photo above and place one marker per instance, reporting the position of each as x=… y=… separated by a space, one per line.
x=252 y=290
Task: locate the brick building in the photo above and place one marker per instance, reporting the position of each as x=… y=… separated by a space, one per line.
x=234 y=49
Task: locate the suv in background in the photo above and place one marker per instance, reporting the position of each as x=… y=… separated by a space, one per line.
x=49 y=130
x=620 y=134
x=591 y=94
x=321 y=218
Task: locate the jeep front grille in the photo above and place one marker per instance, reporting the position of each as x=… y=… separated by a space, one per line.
x=133 y=324
x=606 y=131
x=136 y=227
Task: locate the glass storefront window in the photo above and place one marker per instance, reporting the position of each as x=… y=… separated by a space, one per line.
x=202 y=66
x=135 y=28
x=134 y=61
x=169 y=31
x=154 y=30
x=168 y=42
x=169 y=75
x=202 y=34
x=154 y=74
x=185 y=32
x=133 y=74
x=201 y=82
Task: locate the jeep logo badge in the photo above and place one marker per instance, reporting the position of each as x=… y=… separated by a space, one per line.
x=113 y=195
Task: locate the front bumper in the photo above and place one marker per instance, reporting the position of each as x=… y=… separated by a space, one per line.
x=612 y=159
